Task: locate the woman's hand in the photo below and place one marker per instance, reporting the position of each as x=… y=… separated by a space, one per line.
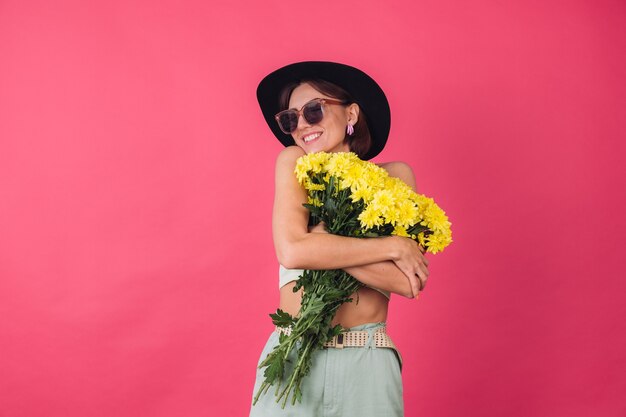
x=409 y=258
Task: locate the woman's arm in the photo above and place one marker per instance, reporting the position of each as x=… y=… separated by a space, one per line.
x=296 y=248
x=384 y=275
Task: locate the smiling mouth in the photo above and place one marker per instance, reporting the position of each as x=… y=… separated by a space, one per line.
x=311 y=137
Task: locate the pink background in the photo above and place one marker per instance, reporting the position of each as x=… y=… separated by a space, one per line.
x=136 y=181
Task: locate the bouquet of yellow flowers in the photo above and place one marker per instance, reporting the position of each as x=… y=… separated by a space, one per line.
x=353 y=198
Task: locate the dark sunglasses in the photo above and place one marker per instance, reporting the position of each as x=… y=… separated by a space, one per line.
x=313 y=113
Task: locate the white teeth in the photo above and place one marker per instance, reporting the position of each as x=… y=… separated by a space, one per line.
x=311 y=137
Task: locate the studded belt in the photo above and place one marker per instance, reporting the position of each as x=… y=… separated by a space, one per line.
x=353 y=338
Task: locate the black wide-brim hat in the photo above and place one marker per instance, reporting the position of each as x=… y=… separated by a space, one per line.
x=363 y=89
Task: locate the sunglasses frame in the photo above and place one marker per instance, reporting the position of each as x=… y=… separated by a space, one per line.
x=300 y=112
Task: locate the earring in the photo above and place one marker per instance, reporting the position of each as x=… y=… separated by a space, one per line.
x=350 y=129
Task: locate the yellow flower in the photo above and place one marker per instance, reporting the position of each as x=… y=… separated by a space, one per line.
x=383 y=201
x=317 y=160
x=369 y=218
x=352 y=176
x=435 y=218
x=301 y=171
x=310 y=163
x=360 y=193
x=437 y=242
x=421 y=239
x=387 y=200
x=311 y=186
x=338 y=164
x=408 y=213
x=400 y=231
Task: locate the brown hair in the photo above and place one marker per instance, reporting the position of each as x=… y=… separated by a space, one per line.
x=361 y=141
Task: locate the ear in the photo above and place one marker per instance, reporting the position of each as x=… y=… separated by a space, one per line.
x=352 y=112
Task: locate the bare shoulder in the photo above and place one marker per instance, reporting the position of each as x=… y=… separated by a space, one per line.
x=290 y=154
x=286 y=160
x=400 y=170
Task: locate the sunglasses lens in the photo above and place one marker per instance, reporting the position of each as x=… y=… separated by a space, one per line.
x=313 y=112
x=288 y=121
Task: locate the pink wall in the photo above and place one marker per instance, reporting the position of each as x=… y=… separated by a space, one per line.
x=136 y=259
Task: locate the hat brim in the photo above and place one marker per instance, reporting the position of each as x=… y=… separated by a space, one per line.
x=365 y=91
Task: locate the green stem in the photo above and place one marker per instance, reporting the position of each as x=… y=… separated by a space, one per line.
x=295 y=375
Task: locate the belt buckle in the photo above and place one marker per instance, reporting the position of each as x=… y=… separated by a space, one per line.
x=339 y=342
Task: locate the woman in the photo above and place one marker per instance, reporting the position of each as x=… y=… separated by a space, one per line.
x=331 y=107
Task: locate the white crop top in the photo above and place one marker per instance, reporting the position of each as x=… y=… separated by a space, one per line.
x=287 y=275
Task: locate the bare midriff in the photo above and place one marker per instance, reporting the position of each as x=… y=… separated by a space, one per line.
x=371 y=308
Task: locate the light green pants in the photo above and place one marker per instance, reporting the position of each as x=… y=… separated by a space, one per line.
x=353 y=381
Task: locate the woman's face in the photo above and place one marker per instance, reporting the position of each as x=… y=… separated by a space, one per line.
x=327 y=135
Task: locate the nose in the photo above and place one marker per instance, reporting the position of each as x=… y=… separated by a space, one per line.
x=302 y=121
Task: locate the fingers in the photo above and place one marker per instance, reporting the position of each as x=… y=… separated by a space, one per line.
x=422 y=264
x=421 y=276
x=423 y=252
x=421 y=284
x=422 y=272
x=417 y=276
x=424 y=260
x=412 y=261
x=415 y=285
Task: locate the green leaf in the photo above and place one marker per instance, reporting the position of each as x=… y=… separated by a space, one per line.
x=315 y=210
x=282 y=318
x=275 y=370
